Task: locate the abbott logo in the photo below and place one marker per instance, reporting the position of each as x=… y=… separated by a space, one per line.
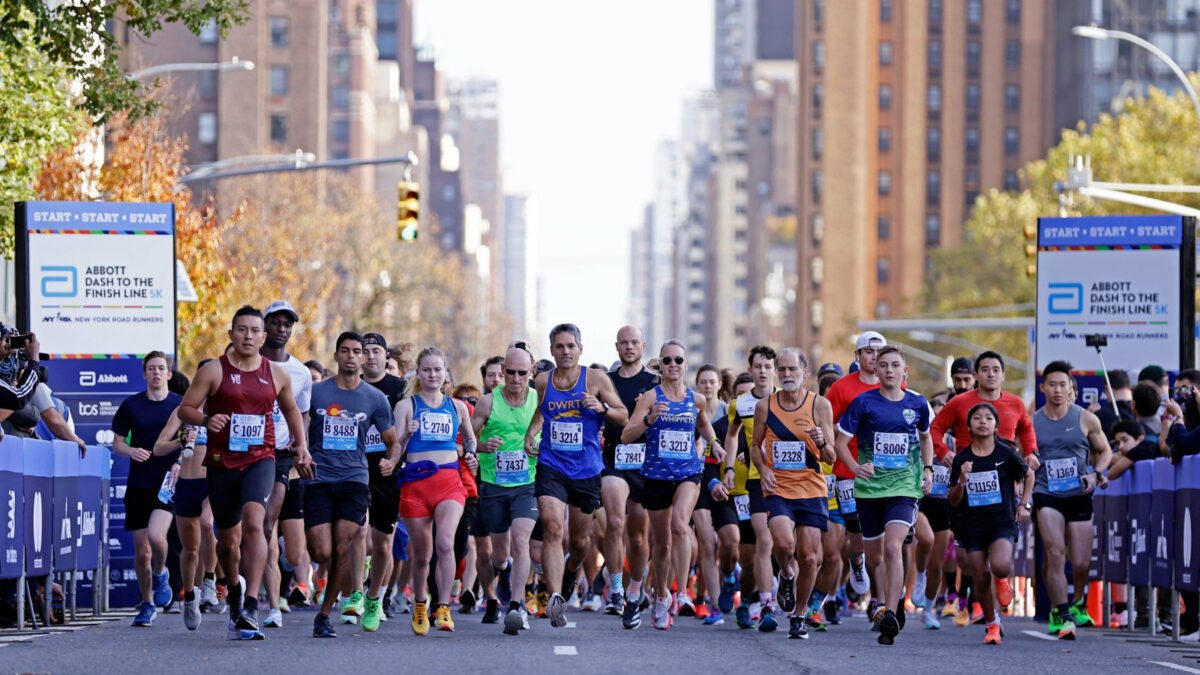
x=1067 y=300
x=87 y=378
x=59 y=282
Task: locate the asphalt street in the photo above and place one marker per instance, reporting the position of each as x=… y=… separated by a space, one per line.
x=591 y=643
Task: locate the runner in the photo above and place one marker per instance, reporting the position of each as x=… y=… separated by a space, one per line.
x=285 y=508
x=892 y=427
x=506 y=494
x=963 y=374
x=833 y=540
x=239 y=391
x=621 y=483
x=669 y=416
x=1074 y=456
x=730 y=515
x=570 y=460
x=790 y=428
x=708 y=383
x=743 y=482
x=431 y=490
x=142 y=417
x=336 y=498
x=492 y=374
x=985 y=473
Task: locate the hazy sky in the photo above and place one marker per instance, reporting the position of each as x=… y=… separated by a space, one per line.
x=587 y=89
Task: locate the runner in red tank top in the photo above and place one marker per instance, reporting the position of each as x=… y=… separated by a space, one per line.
x=239 y=391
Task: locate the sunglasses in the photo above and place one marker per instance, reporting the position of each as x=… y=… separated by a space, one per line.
x=677 y=360
x=511 y=371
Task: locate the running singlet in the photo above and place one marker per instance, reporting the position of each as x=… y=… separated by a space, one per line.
x=888 y=434
x=671 y=440
x=570 y=432
x=508 y=466
x=743 y=409
x=1013 y=424
x=248 y=397
x=438 y=427
x=1064 y=451
x=791 y=452
x=627 y=456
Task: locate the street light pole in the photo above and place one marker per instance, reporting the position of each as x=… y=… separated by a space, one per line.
x=220 y=66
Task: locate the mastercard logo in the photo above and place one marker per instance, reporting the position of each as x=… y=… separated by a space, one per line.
x=334 y=411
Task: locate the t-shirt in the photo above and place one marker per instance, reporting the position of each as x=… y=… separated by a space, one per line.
x=337 y=429
x=888 y=434
x=1013 y=424
x=990 y=497
x=1145 y=450
x=143 y=420
x=393 y=388
x=302 y=385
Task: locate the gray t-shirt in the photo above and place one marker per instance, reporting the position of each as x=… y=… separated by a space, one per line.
x=337 y=430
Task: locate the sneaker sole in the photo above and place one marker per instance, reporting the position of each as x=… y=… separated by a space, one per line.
x=885 y=639
x=558 y=614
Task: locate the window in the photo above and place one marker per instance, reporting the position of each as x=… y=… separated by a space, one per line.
x=1012 y=12
x=933 y=144
x=206 y=133
x=818 y=182
x=933 y=229
x=933 y=188
x=818 y=97
x=885 y=96
x=972 y=139
x=885 y=10
x=341 y=64
x=279 y=80
x=971 y=178
x=974 y=54
x=818 y=11
x=935 y=12
x=279 y=31
x=883 y=227
x=884 y=183
x=385 y=41
x=818 y=143
x=885 y=139
x=1012 y=97
x=933 y=97
x=341 y=97
x=885 y=53
x=935 y=54
x=764 y=126
x=1011 y=182
x=883 y=309
x=386 y=12
x=974 y=12
x=1012 y=54
x=208 y=32
x=1012 y=141
x=818 y=228
x=973 y=97
x=883 y=270
x=279 y=128
x=819 y=54
x=208 y=84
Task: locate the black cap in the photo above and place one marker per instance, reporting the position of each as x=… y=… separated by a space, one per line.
x=374 y=339
x=545 y=366
x=961 y=365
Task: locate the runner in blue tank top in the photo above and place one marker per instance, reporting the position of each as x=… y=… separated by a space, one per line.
x=571 y=411
x=669 y=415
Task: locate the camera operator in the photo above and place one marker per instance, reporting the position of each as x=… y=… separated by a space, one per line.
x=19 y=372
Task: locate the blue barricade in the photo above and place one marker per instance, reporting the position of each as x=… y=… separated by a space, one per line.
x=12 y=507
x=105 y=499
x=91 y=484
x=66 y=504
x=1116 y=526
x=120 y=540
x=39 y=513
x=1162 y=523
x=1099 y=535
x=1187 y=517
x=1141 y=494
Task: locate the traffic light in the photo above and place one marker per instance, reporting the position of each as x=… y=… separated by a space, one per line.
x=407 y=210
x=1031 y=248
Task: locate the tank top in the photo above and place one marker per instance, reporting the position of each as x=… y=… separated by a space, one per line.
x=791 y=452
x=570 y=432
x=1064 y=451
x=671 y=440
x=508 y=466
x=248 y=397
x=438 y=427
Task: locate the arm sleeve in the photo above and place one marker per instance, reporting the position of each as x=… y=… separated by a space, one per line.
x=14 y=395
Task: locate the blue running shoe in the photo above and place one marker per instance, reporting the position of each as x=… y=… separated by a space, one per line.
x=768 y=622
x=145 y=615
x=743 y=617
x=715 y=616
x=162 y=589
x=233 y=632
x=728 y=588
x=322 y=628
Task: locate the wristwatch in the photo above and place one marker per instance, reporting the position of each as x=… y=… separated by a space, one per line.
x=1027 y=506
x=606 y=407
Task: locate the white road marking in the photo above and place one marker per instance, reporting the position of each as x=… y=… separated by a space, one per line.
x=1176 y=666
x=569 y=650
x=570 y=624
x=1040 y=636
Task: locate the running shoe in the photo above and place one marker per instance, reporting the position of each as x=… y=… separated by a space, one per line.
x=191 y=613
x=684 y=606
x=543 y=602
x=631 y=616
x=1004 y=592
x=715 y=617
x=888 y=627
x=557 y=611
x=234 y=631
x=660 y=616
x=756 y=609
x=992 y=637
x=786 y=593
x=592 y=603
x=742 y=617
x=492 y=613
x=767 y=623
x=918 y=592
x=466 y=602
x=352 y=608
x=963 y=617
x=322 y=628
x=931 y=618
x=1080 y=616
x=951 y=606
x=284 y=606
x=1055 y=623
x=976 y=613
x=702 y=610
x=145 y=615
x=815 y=621
x=728 y=588
x=1119 y=619
x=831 y=613
x=444 y=622
x=796 y=628
x=512 y=622
x=504 y=585
x=400 y=604
x=298 y=598
x=420 y=618
x=901 y=616
x=274 y=619
x=372 y=613
x=859 y=580
x=208 y=596
x=1067 y=631
x=616 y=604
x=162 y=589
x=569 y=581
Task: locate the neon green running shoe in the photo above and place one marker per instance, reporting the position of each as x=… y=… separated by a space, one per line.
x=1080 y=616
x=353 y=607
x=370 y=617
x=1056 y=622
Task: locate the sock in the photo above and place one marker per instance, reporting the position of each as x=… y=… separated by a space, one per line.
x=764 y=598
x=815 y=602
x=635 y=589
x=210 y=575
x=730 y=578
x=1119 y=607
x=951 y=583
x=499 y=569
x=251 y=603
x=995 y=621
x=614 y=583
x=538 y=569
x=223 y=582
x=1064 y=609
x=234 y=599
x=189 y=595
x=514 y=606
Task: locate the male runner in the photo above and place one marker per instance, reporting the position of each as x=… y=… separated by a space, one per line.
x=280 y=318
x=1074 y=456
x=892 y=428
x=506 y=494
x=963 y=375
x=790 y=428
x=144 y=415
x=492 y=375
x=335 y=499
x=572 y=407
x=239 y=391
x=728 y=515
x=621 y=483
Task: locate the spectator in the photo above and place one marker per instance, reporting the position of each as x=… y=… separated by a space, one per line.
x=19 y=372
x=41 y=405
x=1132 y=446
x=1146 y=403
x=1157 y=376
x=1120 y=393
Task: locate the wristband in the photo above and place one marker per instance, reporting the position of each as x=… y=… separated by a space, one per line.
x=730 y=468
x=713 y=483
x=206 y=419
x=928 y=467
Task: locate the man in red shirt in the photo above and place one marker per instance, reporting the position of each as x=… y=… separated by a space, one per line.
x=1013 y=426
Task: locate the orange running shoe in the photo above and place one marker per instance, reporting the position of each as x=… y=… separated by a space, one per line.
x=993 y=635
x=1004 y=592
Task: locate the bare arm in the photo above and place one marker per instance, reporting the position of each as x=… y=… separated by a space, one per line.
x=1101 y=452
x=704 y=426
x=191 y=409
x=168 y=439
x=59 y=427
x=388 y=464
x=823 y=417
x=535 y=424
x=636 y=424
x=605 y=391
x=756 y=442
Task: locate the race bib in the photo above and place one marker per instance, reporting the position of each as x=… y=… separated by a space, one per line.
x=375 y=440
x=512 y=468
x=845 y=496
x=891 y=451
x=983 y=488
x=742 y=504
x=339 y=433
x=246 y=431
x=629 y=456
x=675 y=444
x=1062 y=475
x=566 y=436
x=788 y=456
x=437 y=426
x=201 y=435
x=941 y=481
x=831 y=486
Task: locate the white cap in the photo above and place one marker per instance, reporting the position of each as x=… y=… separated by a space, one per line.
x=281 y=306
x=869 y=339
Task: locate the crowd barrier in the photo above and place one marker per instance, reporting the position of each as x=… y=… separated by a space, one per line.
x=54 y=516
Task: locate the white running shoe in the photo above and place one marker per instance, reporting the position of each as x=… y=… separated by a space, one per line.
x=859 y=580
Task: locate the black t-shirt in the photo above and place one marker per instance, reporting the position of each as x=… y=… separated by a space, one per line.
x=143 y=420
x=989 y=498
x=1145 y=450
x=628 y=390
x=393 y=387
x=1108 y=418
